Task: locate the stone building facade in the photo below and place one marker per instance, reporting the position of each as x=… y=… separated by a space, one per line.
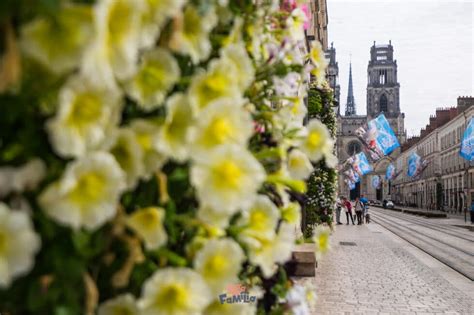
x=383 y=96
x=448 y=181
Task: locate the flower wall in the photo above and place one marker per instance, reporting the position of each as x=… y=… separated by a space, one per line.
x=143 y=144
x=322 y=183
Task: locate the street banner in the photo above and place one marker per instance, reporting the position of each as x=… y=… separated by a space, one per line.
x=385 y=137
x=467 y=143
x=416 y=165
x=376 y=181
x=361 y=165
x=352 y=176
x=390 y=172
x=350 y=184
x=379 y=138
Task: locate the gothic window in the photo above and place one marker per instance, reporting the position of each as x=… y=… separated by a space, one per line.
x=383 y=103
x=353 y=147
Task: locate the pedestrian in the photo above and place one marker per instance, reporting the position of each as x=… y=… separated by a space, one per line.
x=339 y=206
x=348 y=208
x=359 y=208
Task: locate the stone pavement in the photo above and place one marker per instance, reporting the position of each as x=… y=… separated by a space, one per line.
x=384 y=275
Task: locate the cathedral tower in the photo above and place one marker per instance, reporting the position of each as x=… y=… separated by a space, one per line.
x=383 y=89
x=350 y=104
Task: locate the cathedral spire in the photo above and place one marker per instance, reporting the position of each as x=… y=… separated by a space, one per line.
x=350 y=105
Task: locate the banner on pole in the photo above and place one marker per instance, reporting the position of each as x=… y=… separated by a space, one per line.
x=467 y=143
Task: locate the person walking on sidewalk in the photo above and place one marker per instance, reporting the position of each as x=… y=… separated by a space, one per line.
x=339 y=206
x=348 y=209
x=359 y=208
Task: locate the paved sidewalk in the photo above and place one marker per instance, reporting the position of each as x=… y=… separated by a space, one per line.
x=381 y=275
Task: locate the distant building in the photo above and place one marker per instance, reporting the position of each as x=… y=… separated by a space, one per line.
x=448 y=181
x=383 y=96
x=318 y=29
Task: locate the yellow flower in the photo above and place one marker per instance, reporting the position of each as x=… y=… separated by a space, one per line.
x=147 y=133
x=317 y=55
x=157 y=73
x=174 y=136
x=124 y=304
x=86 y=114
x=228 y=178
x=295 y=23
x=191 y=33
x=321 y=240
x=220 y=81
x=219 y=262
x=291 y=213
x=127 y=151
x=18 y=245
x=114 y=52
x=222 y=122
x=58 y=41
x=318 y=142
x=217 y=308
x=260 y=219
x=266 y=253
x=154 y=16
x=148 y=224
x=172 y=291
x=87 y=194
x=299 y=166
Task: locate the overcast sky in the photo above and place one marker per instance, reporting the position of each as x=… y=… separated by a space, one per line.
x=433 y=44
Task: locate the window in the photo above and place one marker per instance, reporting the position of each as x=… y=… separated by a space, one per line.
x=383 y=103
x=353 y=147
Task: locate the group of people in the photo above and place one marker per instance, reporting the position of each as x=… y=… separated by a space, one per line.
x=359 y=209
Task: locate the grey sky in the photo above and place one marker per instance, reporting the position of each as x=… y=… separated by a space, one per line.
x=433 y=43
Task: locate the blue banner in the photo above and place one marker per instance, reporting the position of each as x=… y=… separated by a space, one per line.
x=376 y=181
x=467 y=143
x=352 y=176
x=383 y=134
x=350 y=184
x=361 y=165
x=414 y=164
x=390 y=172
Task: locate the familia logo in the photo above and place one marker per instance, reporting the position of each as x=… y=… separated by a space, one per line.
x=237 y=293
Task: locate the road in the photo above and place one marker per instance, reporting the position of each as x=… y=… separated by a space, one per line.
x=371 y=270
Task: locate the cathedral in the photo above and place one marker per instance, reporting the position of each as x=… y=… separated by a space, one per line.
x=383 y=96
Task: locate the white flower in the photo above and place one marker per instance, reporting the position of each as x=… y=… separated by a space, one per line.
x=317 y=143
x=85 y=116
x=87 y=194
x=266 y=253
x=29 y=175
x=288 y=86
x=228 y=178
x=18 y=245
x=299 y=299
x=291 y=213
x=154 y=17
x=321 y=240
x=191 y=33
x=58 y=42
x=124 y=146
x=172 y=291
x=245 y=70
x=114 y=52
x=299 y=166
x=219 y=81
x=219 y=262
x=295 y=24
x=147 y=133
x=124 y=304
x=213 y=217
x=157 y=73
x=259 y=220
x=148 y=224
x=317 y=55
x=222 y=122
x=174 y=136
